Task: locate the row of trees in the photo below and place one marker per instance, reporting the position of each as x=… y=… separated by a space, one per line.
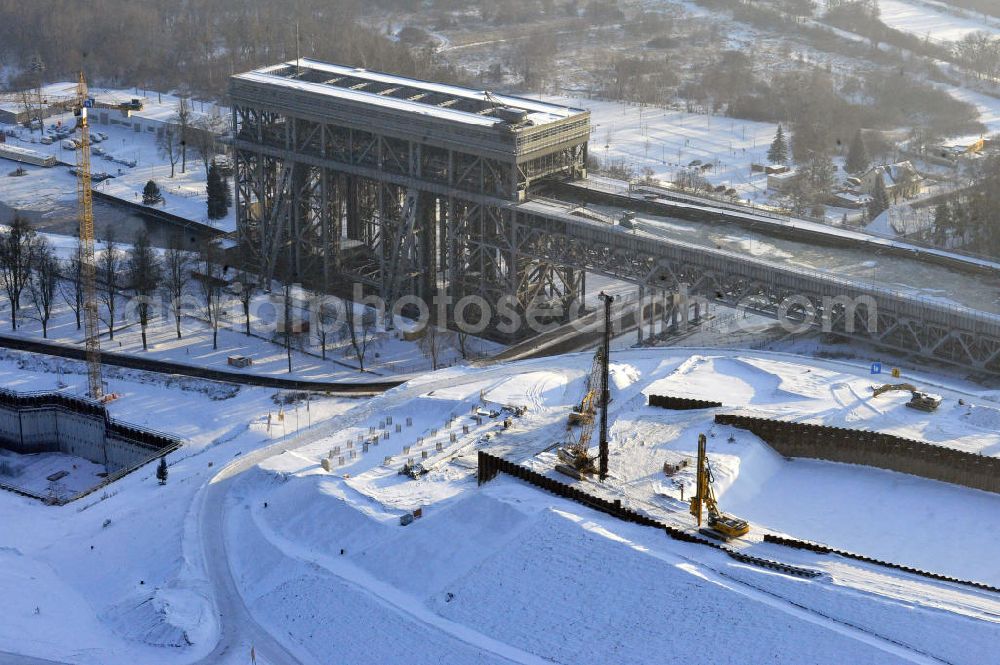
x=195 y=44
x=32 y=276
x=979 y=52
x=969 y=217
x=27 y=265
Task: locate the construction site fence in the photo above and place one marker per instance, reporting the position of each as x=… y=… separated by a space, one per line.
x=876 y=449
x=491 y=465
x=824 y=549
x=681 y=403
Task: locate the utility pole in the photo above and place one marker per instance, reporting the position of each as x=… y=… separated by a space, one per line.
x=288 y=324
x=605 y=388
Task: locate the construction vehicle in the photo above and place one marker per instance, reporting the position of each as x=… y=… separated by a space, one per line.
x=918 y=399
x=719 y=523
x=628 y=220
x=576 y=453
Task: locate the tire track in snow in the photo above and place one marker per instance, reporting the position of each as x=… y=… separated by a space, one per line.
x=394 y=598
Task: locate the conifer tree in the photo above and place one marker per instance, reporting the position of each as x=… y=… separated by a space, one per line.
x=880 y=198
x=216 y=188
x=161 y=470
x=858 y=160
x=778 y=152
x=151 y=194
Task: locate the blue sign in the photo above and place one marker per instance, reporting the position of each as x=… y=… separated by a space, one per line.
x=876 y=368
x=89 y=103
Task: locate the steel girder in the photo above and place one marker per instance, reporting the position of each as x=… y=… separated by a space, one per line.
x=807 y=299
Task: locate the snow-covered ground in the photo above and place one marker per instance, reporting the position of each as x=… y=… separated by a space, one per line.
x=933 y=20
x=31 y=473
x=989 y=111
x=387 y=353
x=184 y=194
x=312 y=565
x=517 y=558
x=668 y=140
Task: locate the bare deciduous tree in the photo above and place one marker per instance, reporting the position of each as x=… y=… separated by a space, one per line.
x=16 y=257
x=183 y=128
x=177 y=266
x=434 y=342
x=211 y=286
x=43 y=283
x=202 y=137
x=71 y=287
x=246 y=288
x=169 y=145
x=328 y=318
x=362 y=330
x=110 y=267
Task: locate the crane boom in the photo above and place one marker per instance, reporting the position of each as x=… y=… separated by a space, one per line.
x=88 y=269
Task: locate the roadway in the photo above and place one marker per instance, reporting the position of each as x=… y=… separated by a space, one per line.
x=353 y=388
x=909 y=305
x=914 y=271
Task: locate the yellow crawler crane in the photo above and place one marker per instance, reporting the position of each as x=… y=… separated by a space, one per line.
x=726 y=525
x=575 y=454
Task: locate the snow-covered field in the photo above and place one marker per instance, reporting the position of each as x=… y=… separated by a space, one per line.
x=251 y=544
x=668 y=140
x=934 y=20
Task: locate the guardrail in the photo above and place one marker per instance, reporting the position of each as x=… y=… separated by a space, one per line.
x=165 y=367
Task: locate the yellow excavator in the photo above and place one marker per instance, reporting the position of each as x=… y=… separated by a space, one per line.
x=919 y=400
x=720 y=523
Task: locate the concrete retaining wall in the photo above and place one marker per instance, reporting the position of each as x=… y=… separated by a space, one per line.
x=53 y=422
x=884 y=451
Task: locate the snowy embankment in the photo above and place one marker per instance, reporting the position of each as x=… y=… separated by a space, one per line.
x=517 y=558
x=315 y=563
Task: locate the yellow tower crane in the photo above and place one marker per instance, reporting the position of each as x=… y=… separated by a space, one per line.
x=88 y=269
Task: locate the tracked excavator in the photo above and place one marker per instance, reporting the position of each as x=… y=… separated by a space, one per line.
x=719 y=524
x=919 y=400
